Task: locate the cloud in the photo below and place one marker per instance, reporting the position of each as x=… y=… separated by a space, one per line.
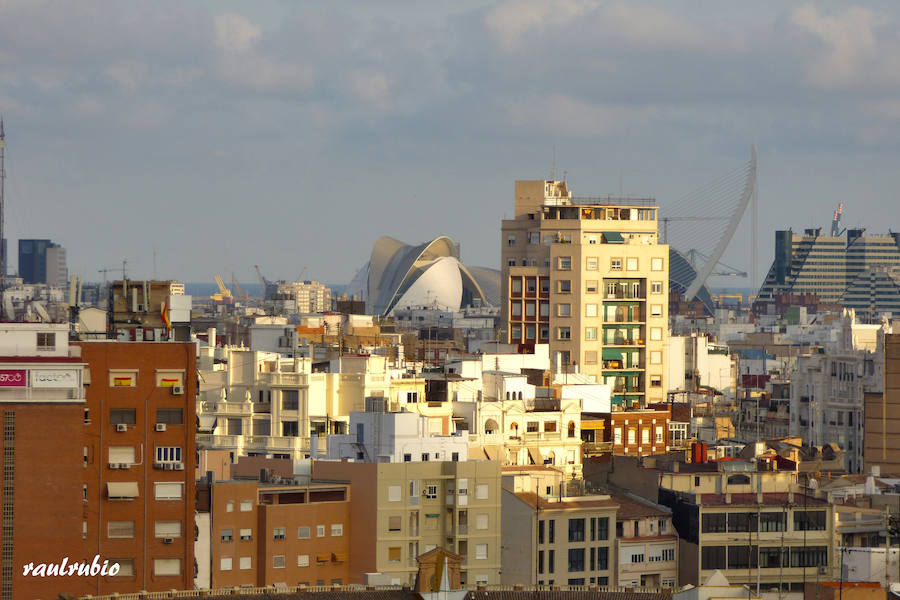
x=859 y=47
x=371 y=87
x=235 y=33
x=512 y=20
x=564 y=116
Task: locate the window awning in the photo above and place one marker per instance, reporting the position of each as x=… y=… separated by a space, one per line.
x=338 y=557
x=207 y=423
x=492 y=452
x=323 y=557
x=122 y=489
x=535 y=453
x=613 y=237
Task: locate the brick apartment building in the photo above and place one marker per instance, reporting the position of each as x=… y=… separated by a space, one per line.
x=41 y=412
x=139 y=452
x=274 y=533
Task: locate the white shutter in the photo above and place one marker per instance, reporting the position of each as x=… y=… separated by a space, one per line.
x=168 y=491
x=122 y=454
x=120 y=529
x=167 y=566
x=168 y=529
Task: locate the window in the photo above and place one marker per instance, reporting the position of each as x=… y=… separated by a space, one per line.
x=431 y=491
x=167 y=566
x=303 y=533
x=481 y=491
x=656 y=310
x=290 y=399
x=337 y=530
x=656 y=287
x=576 y=530
x=511 y=240
x=320 y=531
x=246 y=562
x=120 y=529
x=590 y=357
x=122 y=454
x=540 y=532
x=46 y=341
x=576 y=560
x=564 y=310
x=226 y=535
x=246 y=505
x=394 y=554
x=645 y=435
x=809 y=556
x=631 y=263
x=168 y=490
x=225 y=563
x=740 y=522
x=810 y=520
x=564 y=286
x=712 y=557
x=603 y=528
x=394 y=491
x=656 y=264
x=167 y=529
x=481 y=521
x=394 y=523
x=714 y=523
x=122 y=378
x=290 y=429
x=592 y=264
x=591 y=286
x=424 y=457
x=246 y=535
x=667 y=554
x=603 y=558
x=590 y=310
x=516 y=309
x=659 y=434
x=229 y=506
x=615 y=264
x=617 y=436
x=516 y=283
x=590 y=333
x=741 y=557
x=632 y=435
x=656 y=333
x=772 y=521
x=551 y=532
x=540 y=565
x=234 y=426
x=122 y=416
x=279 y=533
x=168 y=454
x=565 y=263
x=170 y=416
x=563 y=333
x=637 y=557
x=481 y=551
x=655 y=357
x=278 y=562
x=545 y=309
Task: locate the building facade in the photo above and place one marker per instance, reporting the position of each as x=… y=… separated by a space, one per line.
x=42 y=261
x=414 y=507
x=882 y=414
x=589 y=277
x=139 y=462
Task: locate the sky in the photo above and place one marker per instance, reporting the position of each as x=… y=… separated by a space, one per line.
x=219 y=134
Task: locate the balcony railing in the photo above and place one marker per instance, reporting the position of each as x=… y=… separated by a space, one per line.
x=598 y=447
x=285 y=379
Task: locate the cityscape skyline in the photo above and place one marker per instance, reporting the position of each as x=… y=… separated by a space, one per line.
x=427 y=112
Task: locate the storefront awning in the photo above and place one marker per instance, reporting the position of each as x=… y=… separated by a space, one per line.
x=613 y=237
x=492 y=452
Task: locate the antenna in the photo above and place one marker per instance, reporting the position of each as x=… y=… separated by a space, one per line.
x=553 y=168
x=2 y=237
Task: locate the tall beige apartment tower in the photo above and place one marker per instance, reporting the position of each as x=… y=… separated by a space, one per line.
x=589 y=277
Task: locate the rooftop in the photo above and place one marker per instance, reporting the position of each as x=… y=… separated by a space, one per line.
x=532 y=500
x=768 y=499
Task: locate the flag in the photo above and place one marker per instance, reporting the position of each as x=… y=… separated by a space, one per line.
x=165 y=315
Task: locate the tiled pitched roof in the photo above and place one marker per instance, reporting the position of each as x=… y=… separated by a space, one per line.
x=585 y=594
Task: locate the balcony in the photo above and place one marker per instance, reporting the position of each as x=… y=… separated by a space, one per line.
x=283 y=379
x=238 y=409
x=541 y=436
x=595 y=448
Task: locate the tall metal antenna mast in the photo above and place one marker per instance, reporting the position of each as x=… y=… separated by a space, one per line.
x=2 y=237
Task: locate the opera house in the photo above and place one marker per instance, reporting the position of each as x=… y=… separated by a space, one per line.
x=400 y=275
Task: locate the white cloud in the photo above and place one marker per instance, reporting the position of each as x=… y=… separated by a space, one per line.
x=855 y=54
x=371 y=87
x=565 y=116
x=512 y=20
x=235 y=33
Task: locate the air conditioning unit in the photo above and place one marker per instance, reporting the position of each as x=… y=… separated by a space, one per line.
x=113 y=465
x=179 y=466
x=168 y=540
x=124 y=466
x=159 y=465
x=160 y=426
x=121 y=427
x=178 y=390
x=169 y=466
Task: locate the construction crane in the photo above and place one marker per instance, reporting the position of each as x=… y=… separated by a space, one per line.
x=105 y=270
x=263 y=283
x=224 y=294
x=836 y=221
x=237 y=287
x=300 y=278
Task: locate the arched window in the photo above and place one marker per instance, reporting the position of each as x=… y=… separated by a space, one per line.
x=571 y=429
x=520 y=395
x=738 y=480
x=490 y=426
x=514 y=428
x=507 y=395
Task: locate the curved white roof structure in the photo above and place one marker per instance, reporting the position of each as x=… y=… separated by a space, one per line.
x=399 y=275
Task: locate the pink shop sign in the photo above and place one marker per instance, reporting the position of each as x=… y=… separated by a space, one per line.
x=13 y=378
